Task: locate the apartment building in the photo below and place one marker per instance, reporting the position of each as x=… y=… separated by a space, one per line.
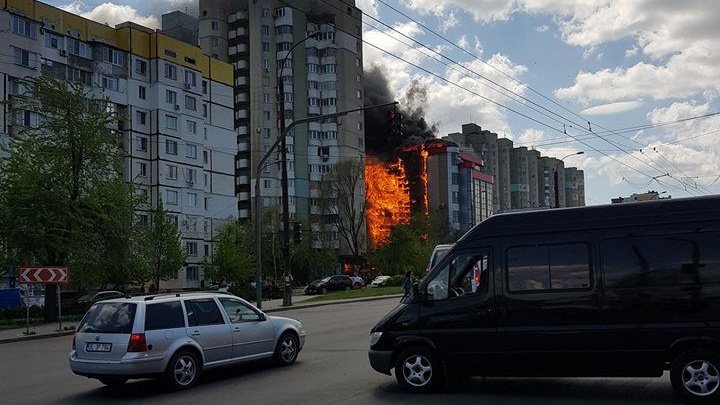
x=176 y=105
x=322 y=75
x=522 y=178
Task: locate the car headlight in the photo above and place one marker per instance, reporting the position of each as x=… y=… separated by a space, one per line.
x=375 y=337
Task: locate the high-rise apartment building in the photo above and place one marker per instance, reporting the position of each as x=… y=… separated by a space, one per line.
x=322 y=75
x=522 y=178
x=175 y=104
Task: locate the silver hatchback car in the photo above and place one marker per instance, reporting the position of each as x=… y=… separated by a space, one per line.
x=178 y=336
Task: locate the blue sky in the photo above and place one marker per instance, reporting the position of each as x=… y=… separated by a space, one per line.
x=616 y=63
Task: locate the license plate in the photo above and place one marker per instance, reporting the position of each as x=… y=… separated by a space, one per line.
x=98 y=347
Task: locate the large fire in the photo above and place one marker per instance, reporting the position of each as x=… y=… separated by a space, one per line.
x=388 y=198
x=393 y=191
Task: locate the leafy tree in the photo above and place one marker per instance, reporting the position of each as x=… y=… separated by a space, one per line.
x=161 y=252
x=233 y=257
x=345 y=189
x=57 y=174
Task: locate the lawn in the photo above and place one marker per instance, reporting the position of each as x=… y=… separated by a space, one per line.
x=360 y=293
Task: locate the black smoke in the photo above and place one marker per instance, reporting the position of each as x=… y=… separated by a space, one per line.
x=380 y=141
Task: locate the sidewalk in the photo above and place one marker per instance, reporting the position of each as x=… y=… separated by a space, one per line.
x=49 y=330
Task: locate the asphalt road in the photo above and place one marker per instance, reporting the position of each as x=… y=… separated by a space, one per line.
x=332 y=369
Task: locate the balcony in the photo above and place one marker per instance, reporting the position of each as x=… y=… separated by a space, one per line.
x=244 y=196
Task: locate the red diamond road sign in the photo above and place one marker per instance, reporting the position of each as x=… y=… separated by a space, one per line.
x=47 y=275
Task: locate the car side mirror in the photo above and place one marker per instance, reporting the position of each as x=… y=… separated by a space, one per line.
x=263 y=317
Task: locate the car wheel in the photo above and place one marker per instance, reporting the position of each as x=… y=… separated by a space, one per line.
x=113 y=382
x=417 y=369
x=324 y=290
x=287 y=349
x=695 y=375
x=183 y=370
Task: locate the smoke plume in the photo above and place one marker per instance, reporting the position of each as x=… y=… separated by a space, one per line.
x=380 y=142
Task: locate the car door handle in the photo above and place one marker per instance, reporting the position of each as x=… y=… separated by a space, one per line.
x=237 y=329
x=195 y=333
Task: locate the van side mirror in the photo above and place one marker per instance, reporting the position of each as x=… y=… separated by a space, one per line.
x=416 y=292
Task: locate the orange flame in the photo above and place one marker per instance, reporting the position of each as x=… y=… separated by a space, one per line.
x=388 y=199
x=424 y=155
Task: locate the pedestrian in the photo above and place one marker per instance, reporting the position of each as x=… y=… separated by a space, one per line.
x=407 y=283
x=223 y=287
x=268 y=289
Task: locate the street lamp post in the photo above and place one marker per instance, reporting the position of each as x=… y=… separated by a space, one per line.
x=287 y=285
x=557 y=189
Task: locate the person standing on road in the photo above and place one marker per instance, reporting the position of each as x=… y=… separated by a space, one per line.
x=268 y=289
x=223 y=287
x=407 y=283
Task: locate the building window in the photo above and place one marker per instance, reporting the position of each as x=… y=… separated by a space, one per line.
x=190 y=78
x=192 y=200
x=142 y=169
x=215 y=25
x=170 y=71
x=140 y=66
x=456 y=217
x=266 y=98
x=24 y=27
x=141 y=117
x=204 y=110
x=266 y=115
x=267 y=184
x=79 y=48
x=191 y=151
x=455 y=179
x=205 y=160
x=54 y=41
x=265 y=12
x=215 y=42
x=142 y=92
x=172 y=172
x=170 y=97
x=204 y=86
x=113 y=56
x=266 y=46
x=190 y=103
x=192 y=127
x=171 y=197
x=191 y=273
x=456 y=197
x=142 y=143
x=170 y=147
x=265 y=30
x=171 y=122
x=191 y=248
x=109 y=82
x=25 y=58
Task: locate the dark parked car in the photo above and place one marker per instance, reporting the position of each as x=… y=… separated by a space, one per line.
x=332 y=283
x=616 y=290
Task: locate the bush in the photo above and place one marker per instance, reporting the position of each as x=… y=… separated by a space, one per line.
x=395 y=281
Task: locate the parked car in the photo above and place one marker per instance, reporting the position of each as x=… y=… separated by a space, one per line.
x=379 y=281
x=437 y=254
x=99 y=296
x=358 y=282
x=615 y=290
x=332 y=283
x=177 y=337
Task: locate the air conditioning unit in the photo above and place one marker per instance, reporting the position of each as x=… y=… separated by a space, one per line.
x=63 y=52
x=187 y=86
x=177 y=107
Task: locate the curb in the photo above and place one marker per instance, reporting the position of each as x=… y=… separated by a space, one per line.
x=37 y=337
x=271 y=310
x=322 y=304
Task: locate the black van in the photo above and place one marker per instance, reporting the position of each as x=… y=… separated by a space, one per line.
x=615 y=290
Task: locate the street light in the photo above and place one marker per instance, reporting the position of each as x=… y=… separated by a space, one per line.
x=557 y=189
x=287 y=290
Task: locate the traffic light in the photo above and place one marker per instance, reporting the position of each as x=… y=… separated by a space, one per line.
x=395 y=122
x=297 y=232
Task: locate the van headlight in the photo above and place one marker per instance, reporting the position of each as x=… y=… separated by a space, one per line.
x=375 y=337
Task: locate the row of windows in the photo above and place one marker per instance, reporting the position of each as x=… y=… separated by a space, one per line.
x=200 y=312
x=315 y=68
x=324 y=86
x=326 y=135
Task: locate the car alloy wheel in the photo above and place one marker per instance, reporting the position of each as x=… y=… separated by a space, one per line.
x=695 y=375
x=183 y=370
x=417 y=369
x=287 y=348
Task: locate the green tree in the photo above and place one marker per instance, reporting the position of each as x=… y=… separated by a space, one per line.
x=233 y=255
x=58 y=171
x=344 y=200
x=161 y=252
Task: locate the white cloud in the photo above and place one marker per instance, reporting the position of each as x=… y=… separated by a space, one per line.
x=481 y=10
x=542 y=28
x=612 y=108
x=112 y=14
x=448 y=21
x=463 y=42
x=367 y=6
x=631 y=52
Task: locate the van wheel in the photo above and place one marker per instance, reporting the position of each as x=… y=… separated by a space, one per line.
x=695 y=375
x=418 y=369
x=286 y=351
x=183 y=370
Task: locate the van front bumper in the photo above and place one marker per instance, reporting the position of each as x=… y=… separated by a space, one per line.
x=128 y=367
x=381 y=361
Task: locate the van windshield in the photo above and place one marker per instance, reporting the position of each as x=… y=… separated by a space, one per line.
x=113 y=317
x=439 y=254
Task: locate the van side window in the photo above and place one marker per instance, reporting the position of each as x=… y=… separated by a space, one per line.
x=548 y=267
x=689 y=258
x=466 y=274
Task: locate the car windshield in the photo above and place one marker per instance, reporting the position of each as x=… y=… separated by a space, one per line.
x=114 y=317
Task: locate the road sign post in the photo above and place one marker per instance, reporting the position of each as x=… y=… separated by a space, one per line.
x=45 y=275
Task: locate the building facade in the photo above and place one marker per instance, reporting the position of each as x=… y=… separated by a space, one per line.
x=175 y=103
x=522 y=178
x=322 y=75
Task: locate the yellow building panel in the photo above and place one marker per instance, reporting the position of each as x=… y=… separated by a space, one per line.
x=103 y=33
x=139 y=41
x=72 y=23
x=44 y=12
x=221 y=72
x=24 y=7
